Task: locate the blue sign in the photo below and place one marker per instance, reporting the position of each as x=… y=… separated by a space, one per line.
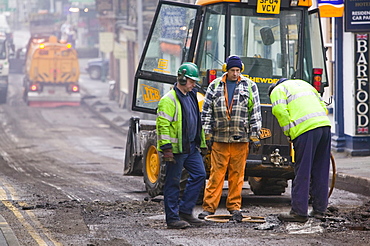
x=357 y=16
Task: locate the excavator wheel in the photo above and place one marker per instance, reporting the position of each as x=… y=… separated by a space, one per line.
x=267 y=186
x=184 y=181
x=132 y=163
x=154 y=169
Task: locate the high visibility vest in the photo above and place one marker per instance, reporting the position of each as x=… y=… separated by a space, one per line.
x=169 y=123
x=298 y=107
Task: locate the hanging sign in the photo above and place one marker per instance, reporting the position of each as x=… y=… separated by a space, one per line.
x=331 y=8
x=362 y=101
x=106 y=41
x=357 y=17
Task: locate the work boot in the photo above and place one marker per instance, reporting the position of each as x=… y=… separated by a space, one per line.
x=292 y=217
x=178 y=224
x=317 y=215
x=204 y=214
x=190 y=219
x=236 y=215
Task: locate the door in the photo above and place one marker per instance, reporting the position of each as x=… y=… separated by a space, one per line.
x=317 y=50
x=170 y=42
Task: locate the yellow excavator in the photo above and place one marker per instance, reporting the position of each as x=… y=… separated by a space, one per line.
x=275 y=39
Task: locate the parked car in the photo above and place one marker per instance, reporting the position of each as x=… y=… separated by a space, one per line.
x=97 y=68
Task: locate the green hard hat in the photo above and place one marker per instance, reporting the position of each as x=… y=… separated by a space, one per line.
x=189 y=70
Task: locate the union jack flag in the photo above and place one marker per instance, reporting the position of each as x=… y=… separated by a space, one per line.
x=362 y=130
x=361 y=36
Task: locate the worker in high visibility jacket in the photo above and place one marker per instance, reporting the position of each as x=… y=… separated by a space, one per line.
x=302 y=115
x=181 y=139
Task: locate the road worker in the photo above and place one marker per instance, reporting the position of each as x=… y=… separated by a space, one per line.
x=181 y=138
x=303 y=117
x=231 y=116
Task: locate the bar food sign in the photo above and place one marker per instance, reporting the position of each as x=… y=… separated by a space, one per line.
x=362 y=83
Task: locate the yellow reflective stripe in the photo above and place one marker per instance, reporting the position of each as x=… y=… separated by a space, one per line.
x=301 y=94
x=175 y=117
x=302 y=119
x=166 y=137
x=291 y=97
x=287 y=93
x=280 y=101
x=164 y=115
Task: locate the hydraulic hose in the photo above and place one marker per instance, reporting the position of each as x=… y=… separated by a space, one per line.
x=334 y=174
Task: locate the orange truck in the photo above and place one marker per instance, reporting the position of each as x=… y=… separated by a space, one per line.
x=52 y=73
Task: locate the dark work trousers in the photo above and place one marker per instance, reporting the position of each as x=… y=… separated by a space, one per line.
x=312 y=163
x=193 y=163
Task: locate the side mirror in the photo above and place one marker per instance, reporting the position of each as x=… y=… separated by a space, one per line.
x=267 y=36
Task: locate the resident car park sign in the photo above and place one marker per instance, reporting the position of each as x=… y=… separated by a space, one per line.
x=357 y=16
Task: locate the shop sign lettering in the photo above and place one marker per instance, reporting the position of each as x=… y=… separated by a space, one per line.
x=362 y=84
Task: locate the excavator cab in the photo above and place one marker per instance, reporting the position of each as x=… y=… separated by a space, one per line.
x=271 y=46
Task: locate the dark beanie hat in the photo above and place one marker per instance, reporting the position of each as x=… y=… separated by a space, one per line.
x=233 y=61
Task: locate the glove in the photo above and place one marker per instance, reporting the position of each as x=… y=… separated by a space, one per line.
x=254 y=139
x=289 y=140
x=168 y=156
x=209 y=145
x=203 y=151
x=209 y=141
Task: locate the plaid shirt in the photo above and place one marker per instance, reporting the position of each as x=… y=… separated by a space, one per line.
x=244 y=114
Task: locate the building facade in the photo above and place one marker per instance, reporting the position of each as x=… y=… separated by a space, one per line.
x=350 y=88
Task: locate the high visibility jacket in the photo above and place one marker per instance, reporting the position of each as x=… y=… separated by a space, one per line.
x=298 y=107
x=171 y=129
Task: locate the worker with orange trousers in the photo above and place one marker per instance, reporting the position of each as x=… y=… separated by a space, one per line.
x=231 y=118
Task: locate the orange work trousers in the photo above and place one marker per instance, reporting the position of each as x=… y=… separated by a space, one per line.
x=230 y=157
